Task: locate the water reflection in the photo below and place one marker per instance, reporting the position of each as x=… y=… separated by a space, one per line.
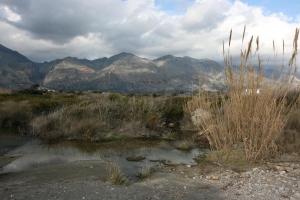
x=36 y=153
x=10 y=139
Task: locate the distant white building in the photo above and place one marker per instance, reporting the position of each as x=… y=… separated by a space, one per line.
x=250 y=91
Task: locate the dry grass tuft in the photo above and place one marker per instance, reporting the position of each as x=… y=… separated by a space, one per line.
x=185 y=145
x=116 y=176
x=4 y=91
x=111 y=117
x=145 y=172
x=240 y=116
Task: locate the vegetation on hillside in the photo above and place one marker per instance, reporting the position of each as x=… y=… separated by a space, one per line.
x=91 y=116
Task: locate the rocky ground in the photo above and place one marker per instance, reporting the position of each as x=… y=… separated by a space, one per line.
x=269 y=181
x=277 y=179
x=88 y=180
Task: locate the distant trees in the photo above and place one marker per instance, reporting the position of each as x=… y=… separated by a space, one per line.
x=33 y=89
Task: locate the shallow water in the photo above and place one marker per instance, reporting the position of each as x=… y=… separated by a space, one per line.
x=35 y=153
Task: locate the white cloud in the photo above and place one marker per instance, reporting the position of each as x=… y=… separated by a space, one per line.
x=9 y=14
x=45 y=30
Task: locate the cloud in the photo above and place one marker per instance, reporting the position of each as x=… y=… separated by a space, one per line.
x=205 y=15
x=46 y=30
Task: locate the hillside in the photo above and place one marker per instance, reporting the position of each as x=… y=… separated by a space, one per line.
x=124 y=72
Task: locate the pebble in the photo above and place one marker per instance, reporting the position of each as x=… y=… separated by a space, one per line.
x=261 y=182
x=282 y=172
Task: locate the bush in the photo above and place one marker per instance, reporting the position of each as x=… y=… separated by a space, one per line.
x=97 y=119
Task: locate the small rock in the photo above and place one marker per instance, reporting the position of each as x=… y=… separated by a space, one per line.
x=289 y=169
x=255 y=170
x=296 y=172
x=244 y=175
x=295 y=195
x=208 y=177
x=171 y=125
x=215 y=177
x=282 y=172
x=188 y=165
x=249 y=173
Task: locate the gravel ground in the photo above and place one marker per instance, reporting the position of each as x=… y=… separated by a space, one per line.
x=88 y=180
x=272 y=181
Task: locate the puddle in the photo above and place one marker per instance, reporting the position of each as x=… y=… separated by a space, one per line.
x=10 y=139
x=35 y=153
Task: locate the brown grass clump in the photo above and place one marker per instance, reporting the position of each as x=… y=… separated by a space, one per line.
x=4 y=91
x=145 y=172
x=110 y=117
x=185 y=145
x=14 y=113
x=254 y=119
x=116 y=176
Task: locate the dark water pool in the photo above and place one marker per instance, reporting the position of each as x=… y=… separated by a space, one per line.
x=35 y=153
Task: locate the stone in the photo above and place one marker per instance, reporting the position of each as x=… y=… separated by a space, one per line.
x=279 y=168
x=171 y=125
x=296 y=171
x=282 y=172
x=296 y=195
x=255 y=170
x=215 y=177
x=289 y=169
x=244 y=175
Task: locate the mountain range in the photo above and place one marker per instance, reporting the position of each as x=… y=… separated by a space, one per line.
x=124 y=72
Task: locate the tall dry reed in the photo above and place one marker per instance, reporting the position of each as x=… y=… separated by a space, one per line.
x=242 y=115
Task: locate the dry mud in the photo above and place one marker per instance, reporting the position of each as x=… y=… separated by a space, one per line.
x=88 y=180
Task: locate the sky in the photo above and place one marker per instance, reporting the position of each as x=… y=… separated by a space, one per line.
x=44 y=30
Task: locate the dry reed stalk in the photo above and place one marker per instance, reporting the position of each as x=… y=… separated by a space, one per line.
x=256 y=120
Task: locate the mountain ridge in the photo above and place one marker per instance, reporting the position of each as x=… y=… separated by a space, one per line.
x=123 y=72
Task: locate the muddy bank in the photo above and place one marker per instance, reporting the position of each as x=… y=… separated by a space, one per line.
x=4 y=160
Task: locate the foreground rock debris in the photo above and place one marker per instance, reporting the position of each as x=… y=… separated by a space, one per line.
x=76 y=181
x=273 y=181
